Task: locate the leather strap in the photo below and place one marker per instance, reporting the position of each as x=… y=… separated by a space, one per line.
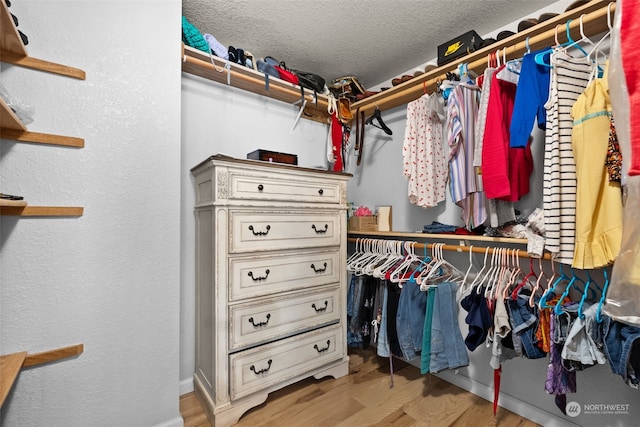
x=361 y=132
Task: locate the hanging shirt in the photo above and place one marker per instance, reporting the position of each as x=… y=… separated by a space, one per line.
x=462 y=109
x=423 y=152
x=569 y=78
x=531 y=95
x=505 y=170
x=598 y=201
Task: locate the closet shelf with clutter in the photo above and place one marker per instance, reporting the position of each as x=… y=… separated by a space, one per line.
x=594 y=16
x=213 y=68
x=13 y=51
x=12 y=364
x=429 y=236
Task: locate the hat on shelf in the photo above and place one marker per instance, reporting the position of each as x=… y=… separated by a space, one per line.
x=576 y=4
x=487 y=42
x=546 y=16
x=525 y=24
x=191 y=36
x=504 y=34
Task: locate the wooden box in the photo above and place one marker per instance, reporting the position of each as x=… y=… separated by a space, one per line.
x=273 y=157
x=363 y=223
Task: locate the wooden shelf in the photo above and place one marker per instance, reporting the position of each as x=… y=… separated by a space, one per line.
x=200 y=64
x=9 y=120
x=429 y=236
x=540 y=36
x=11 y=364
x=14 y=52
x=41 y=210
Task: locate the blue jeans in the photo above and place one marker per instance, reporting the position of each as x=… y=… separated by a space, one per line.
x=524 y=322
x=447 y=346
x=622 y=345
x=410 y=319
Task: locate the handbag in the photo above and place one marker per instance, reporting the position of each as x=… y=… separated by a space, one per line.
x=310 y=81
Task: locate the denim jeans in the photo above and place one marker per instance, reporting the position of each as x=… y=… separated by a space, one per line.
x=410 y=319
x=524 y=322
x=622 y=344
x=447 y=346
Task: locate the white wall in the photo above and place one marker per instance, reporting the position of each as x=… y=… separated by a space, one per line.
x=220 y=119
x=108 y=279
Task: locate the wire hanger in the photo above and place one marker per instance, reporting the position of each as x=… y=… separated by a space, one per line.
x=377 y=115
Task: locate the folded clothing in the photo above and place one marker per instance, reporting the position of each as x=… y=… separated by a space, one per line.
x=217 y=48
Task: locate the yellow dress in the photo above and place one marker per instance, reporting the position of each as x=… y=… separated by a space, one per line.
x=598 y=201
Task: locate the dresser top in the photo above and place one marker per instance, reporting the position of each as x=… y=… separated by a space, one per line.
x=225 y=158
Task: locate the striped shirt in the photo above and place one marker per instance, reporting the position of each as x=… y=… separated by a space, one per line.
x=462 y=110
x=569 y=78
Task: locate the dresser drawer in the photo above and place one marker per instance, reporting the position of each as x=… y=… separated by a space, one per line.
x=263 y=275
x=254 y=230
x=247 y=185
x=262 y=367
x=267 y=320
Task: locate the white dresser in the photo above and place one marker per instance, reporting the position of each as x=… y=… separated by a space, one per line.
x=270 y=281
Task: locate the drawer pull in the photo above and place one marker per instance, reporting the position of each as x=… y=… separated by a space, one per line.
x=260 y=233
x=322 y=350
x=259 y=278
x=319 y=269
x=326 y=227
x=259 y=324
x=321 y=309
x=260 y=187
x=321 y=191
x=261 y=371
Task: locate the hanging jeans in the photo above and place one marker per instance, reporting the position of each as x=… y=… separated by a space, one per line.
x=447 y=346
x=383 y=337
x=524 y=321
x=622 y=344
x=410 y=319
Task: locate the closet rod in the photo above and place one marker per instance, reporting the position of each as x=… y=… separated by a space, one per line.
x=193 y=62
x=455 y=248
x=594 y=22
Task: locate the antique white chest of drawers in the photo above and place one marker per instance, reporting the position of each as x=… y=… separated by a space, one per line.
x=270 y=281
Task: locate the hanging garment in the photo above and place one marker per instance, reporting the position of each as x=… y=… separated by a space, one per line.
x=478 y=318
x=383 y=348
x=424 y=162
x=462 y=109
x=559 y=381
x=623 y=297
x=505 y=170
x=629 y=33
x=569 y=78
x=410 y=319
x=581 y=350
x=447 y=346
x=598 y=200
x=498 y=211
x=425 y=356
x=531 y=95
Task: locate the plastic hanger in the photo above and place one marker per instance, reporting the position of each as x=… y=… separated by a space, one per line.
x=536 y=287
x=552 y=289
x=574 y=279
x=587 y=288
x=377 y=115
x=525 y=281
x=603 y=297
x=478 y=277
x=572 y=43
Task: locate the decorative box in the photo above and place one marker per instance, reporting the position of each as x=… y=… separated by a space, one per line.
x=458 y=47
x=363 y=223
x=273 y=157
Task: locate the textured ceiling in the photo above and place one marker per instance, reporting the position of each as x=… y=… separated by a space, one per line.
x=374 y=40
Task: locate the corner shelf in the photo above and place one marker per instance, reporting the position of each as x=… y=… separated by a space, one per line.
x=211 y=67
x=35 y=211
x=11 y=364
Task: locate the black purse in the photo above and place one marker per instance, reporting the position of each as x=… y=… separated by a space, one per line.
x=310 y=81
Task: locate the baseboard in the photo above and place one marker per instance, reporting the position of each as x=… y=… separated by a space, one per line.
x=174 y=422
x=186 y=386
x=506 y=401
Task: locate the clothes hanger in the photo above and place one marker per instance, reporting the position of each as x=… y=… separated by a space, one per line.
x=539 y=58
x=552 y=289
x=572 y=43
x=574 y=279
x=584 y=294
x=377 y=115
x=525 y=281
x=603 y=297
x=478 y=276
x=537 y=285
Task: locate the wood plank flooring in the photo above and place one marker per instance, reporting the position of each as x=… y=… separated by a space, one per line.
x=364 y=398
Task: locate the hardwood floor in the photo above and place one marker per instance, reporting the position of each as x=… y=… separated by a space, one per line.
x=364 y=398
